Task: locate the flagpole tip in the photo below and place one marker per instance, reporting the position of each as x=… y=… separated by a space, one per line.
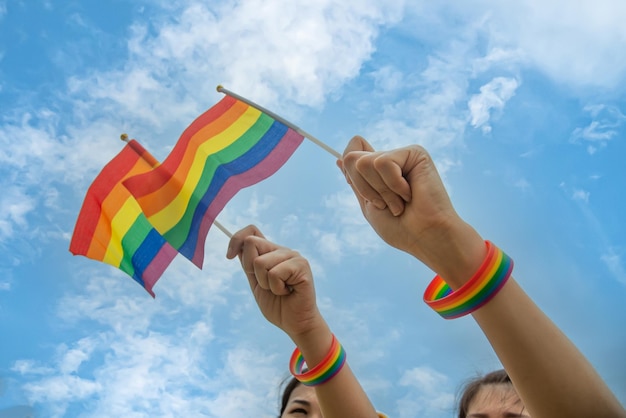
x=124 y=137
x=219 y=88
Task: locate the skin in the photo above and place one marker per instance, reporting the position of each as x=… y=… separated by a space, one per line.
x=302 y=403
x=497 y=401
x=282 y=284
x=403 y=198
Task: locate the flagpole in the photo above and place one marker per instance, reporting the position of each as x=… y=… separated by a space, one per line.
x=222 y=228
x=154 y=162
x=307 y=135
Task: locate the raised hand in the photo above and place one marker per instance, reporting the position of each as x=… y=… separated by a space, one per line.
x=281 y=282
x=402 y=196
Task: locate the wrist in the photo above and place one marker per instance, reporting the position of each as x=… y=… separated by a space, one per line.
x=321 y=372
x=455 y=251
x=314 y=342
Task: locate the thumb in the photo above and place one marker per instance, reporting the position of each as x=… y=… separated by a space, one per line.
x=358 y=143
x=235 y=246
x=260 y=245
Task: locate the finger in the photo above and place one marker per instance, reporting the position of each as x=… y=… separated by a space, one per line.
x=357 y=143
x=237 y=240
x=374 y=177
x=380 y=177
x=358 y=196
x=282 y=271
x=253 y=248
x=392 y=167
x=359 y=166
x=387 y=180
x=343 y=171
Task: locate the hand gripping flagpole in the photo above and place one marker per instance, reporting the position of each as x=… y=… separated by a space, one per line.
x=154 y=162
x=284 y=121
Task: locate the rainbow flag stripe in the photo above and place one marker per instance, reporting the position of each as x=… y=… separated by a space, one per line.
x=111 y=227
x=229 y=147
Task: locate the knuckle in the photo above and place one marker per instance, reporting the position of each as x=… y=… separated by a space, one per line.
x=364 y=162
x=387 y=194
x=249 y=240
x=381 y=161
x=258 y=264
x=351 y=158
x=421 y=152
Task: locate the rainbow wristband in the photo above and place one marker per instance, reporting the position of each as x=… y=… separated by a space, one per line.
x=484 y=285
x=323 y=372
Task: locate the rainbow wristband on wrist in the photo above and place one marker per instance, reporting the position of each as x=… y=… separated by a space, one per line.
x=484 y=285
x=323 y=372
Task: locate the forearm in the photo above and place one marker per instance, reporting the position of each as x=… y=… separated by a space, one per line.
x=342 y=396
x=550 y=374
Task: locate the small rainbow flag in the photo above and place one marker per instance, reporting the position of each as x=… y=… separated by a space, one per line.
x=111 y=227
x=231 y=146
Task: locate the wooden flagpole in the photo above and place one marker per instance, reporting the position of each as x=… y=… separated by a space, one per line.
x=124 y=137
x=307 y=135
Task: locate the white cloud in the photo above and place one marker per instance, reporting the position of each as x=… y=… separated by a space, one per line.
x=15 y=205
x=388 y=79
x=614 y=263
x=257 y=204
x=605 y=125
x=32 y=150
x=29 y=367
x=172 y=68
x=523 y=184
x=431 y=115
x=355 y=324
x=27 y=139
x=580 y=195
x=330 y=246
x=151 y=374
x=573 y=43
x=351 y=230
x=425 y=397
x=594 y=132
x=498 y=57
x=127 y=367
x=104 y=301
x=289 y=225
x=435 y=112
x=72 y=358
x=62 y=388
x=165 y=83
x=492 y=97
x=296 y=52
x=423 y=378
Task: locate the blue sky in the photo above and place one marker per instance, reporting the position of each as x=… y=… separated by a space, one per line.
x=522 y=105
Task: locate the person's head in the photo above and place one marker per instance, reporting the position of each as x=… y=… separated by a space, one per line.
x=491 y=396
x=299 y=401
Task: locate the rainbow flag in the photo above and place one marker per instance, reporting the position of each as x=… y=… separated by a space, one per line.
x=231 y=146
x=111 y=227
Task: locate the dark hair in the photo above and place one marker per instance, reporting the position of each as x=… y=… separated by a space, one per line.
x=471 y=388
x=289 y=384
